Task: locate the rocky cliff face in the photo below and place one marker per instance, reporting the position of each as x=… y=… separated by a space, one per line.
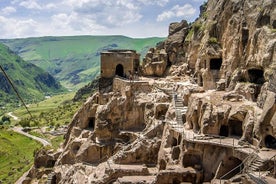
x=210 y=113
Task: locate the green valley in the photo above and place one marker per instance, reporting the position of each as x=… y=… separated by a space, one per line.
x=74 y=60
x=31 y=82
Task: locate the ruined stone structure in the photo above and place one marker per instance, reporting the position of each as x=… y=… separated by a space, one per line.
x=119 y=62
x=210 y=118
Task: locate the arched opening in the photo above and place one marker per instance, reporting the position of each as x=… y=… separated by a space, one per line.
x=162 y=164
x=200 y=82
x=235 y=128
x=119 y=70
x=215 y=63
x=91 y=123
x=229 y=168
x=224 y=131
x=270 y=142
x=174 y=142
x=175 y=153
x=256 y=76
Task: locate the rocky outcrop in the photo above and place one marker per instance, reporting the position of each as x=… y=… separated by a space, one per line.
x=206 y=118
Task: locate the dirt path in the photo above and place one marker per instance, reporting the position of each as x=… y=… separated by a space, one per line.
x=13 y=116
x=42 y=141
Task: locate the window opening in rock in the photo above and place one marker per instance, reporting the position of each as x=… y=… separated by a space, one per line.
x=270 y=142
x=235 y=127
x=256 y=76
x=162 y=164
x=174 y=142
x=91 y=123
x=175 y=153
x=224 y=131
x=120 y=70
x=200 y=82
x=215 y=64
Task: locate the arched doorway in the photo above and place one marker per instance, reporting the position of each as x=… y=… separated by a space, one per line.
x=119 y=70
x=270 y=142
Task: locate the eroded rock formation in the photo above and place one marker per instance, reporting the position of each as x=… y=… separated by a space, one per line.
x=210 y=117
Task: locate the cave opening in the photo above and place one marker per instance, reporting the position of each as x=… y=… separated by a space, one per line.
x=235 y=128
x=119 y=70
x=229 y=168
x=162 y=164
x=174 y=142
x=224 y=130
x=91 y=123
x=270 y=142
x=175 y=153
x=256 y=76
x=215 y=63
x=190 y=160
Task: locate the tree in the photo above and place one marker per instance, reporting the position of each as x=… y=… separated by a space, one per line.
x=6 y=119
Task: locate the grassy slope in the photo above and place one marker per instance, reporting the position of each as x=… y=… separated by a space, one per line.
x=16 y=155
x=31 y=82
x=74 y=60
x=57 y=110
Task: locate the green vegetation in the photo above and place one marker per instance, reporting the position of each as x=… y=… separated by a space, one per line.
x=55 y=111
x=56 y=141
x=16 y=155
x=31 y=82
x=74 y=61
x=213 y=40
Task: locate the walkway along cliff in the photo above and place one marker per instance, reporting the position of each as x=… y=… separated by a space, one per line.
x=202 y=109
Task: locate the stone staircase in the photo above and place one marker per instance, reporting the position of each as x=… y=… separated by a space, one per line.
x=256 y=164
x=180 y=109
x=51 y=178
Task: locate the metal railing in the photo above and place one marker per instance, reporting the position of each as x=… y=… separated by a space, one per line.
x=240 y=167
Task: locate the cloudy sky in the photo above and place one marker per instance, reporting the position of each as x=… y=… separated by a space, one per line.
x=134 y=18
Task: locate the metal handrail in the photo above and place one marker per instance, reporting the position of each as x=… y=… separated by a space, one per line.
x=245 y=160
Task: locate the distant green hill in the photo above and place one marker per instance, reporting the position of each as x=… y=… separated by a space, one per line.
x=32 y=82
x=74 y=60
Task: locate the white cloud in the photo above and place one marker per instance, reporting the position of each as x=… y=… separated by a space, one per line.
x=154 y=2
x=30 y=4
x=8 y=10
x=17 y=28
x=177 y=11
x=107 y=12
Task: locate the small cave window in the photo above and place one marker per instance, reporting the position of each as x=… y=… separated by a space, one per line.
x=175 y=153
x=119 y=70
x=224 y=131
x=174 y=142
x=162 y=164
x=215 y=64
x=256 y=76
x=235 y=128
x=270 y=142
x=200 y=82
x=91 y=123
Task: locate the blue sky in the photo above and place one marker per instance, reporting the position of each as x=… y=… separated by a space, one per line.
x=134 y=18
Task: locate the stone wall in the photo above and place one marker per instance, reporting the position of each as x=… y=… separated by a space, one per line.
x=121 y=84
x=119 y=62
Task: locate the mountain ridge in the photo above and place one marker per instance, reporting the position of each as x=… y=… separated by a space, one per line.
x=32 y=82
x=74 y=60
